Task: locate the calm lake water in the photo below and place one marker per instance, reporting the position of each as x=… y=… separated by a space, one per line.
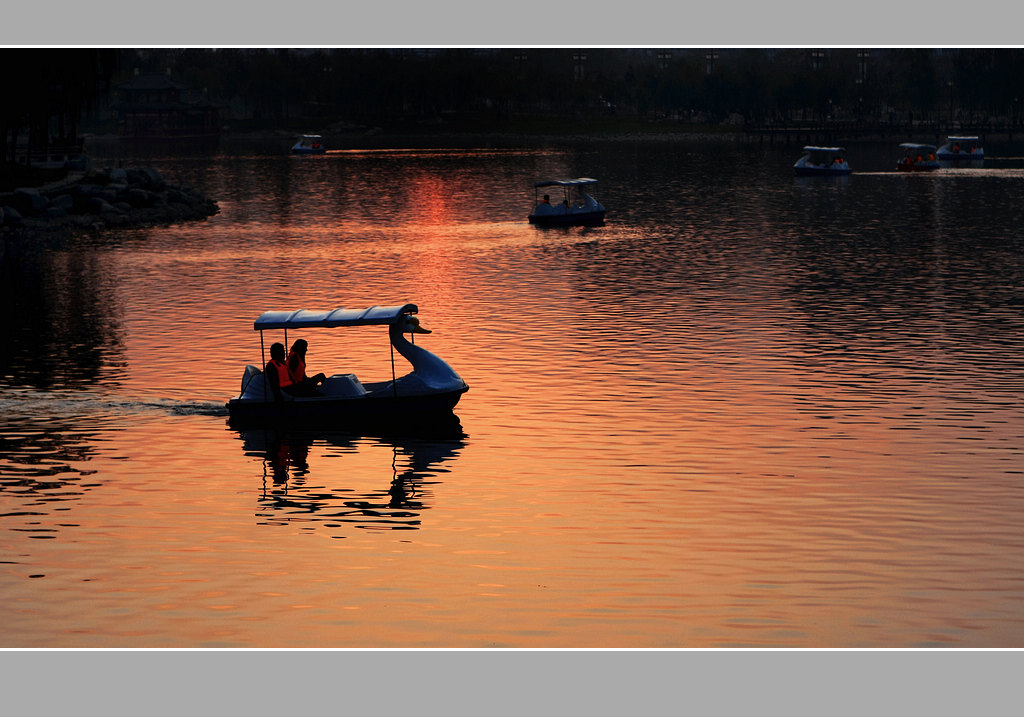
x=749 y=411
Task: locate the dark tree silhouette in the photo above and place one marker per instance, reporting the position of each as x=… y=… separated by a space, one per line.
x=47 y=92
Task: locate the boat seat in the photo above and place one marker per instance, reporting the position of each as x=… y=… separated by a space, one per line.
x=254 y=385
x=248 y=375
x=343 y=385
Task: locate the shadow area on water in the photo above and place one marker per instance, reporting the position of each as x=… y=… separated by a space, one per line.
x=336 y=480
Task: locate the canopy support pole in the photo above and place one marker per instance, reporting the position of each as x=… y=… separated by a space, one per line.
x=263 y=364
x=394 y=381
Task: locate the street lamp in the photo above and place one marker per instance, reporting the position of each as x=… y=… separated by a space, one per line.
x=710 y=57
x=862 y=61
x=578 y=59
x=520 y=59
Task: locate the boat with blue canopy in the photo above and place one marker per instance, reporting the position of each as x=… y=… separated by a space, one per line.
x=917 y=158
x=961 y=148
x=427 y=393
x=577 y=207
x=309 y=144
x=822 y=161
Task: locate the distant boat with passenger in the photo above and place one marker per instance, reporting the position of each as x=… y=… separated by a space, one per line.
x=309 y=144
x=822 y=161
x=577 y=207
x=961 y=148
x=917 y=158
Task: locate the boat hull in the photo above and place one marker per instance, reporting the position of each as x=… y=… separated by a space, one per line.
x=961 y=156
x=821 y=172
x=587 y=219
x=354 y=413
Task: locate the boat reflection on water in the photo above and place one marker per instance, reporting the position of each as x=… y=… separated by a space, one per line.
x=294 y=491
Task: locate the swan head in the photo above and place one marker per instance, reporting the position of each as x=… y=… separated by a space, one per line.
x=411 y=324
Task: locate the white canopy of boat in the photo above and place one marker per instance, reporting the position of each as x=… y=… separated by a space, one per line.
x=580 y=181
x=841 y=150
x=306 y=318
x=912 y=145
x=962 y=139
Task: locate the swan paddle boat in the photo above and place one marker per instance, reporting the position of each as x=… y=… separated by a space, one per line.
x=961 y=148
x=917 y=158
x=309 y=144
x=822 y=161
x=426 y=394
x=577 y=207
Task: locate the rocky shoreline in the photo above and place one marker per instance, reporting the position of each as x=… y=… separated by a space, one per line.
x=112 y=197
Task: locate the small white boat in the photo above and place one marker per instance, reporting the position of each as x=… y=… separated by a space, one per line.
x=961 y=148
x=917 y=158
x=309 y=144
x=427 y=394
x=822 y=160
x=576 y=208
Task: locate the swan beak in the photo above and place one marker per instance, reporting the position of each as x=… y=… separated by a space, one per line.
x=414 y=326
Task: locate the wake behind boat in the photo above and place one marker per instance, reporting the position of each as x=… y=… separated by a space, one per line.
x=577 y=207
x=427 y=394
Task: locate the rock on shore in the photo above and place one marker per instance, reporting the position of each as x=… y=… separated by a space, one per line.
x=112 y=197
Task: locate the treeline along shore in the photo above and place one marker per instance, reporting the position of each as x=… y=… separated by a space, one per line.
x=59 y=97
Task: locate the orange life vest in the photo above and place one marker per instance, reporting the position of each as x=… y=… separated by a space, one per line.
x=299 y=374
x=283 y=376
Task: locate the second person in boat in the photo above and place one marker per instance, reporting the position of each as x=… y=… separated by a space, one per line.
x=302 y=385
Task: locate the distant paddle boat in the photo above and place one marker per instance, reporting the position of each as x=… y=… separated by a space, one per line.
x=822 y=161
x=961 y=148
x=309 y=144
x=428 y=393
x=917 y=158
x=576 y=208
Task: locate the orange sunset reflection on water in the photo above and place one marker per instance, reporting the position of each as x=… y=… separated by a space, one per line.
x=720 y=430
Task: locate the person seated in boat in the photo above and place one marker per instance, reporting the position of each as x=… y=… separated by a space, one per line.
x=544 y=207
x=302 y=385
x=276 y=371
